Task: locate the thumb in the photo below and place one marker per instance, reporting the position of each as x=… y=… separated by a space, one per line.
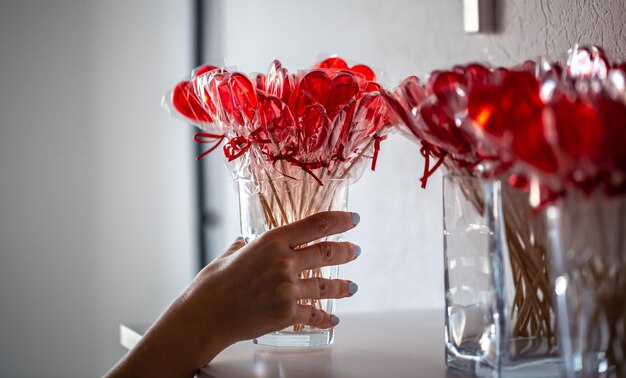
x=237 y=244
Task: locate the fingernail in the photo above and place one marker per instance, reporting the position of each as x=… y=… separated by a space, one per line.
x=356 y=218
x=238 y=240
x=352 y=288
x=334 y=320
x=357 y=251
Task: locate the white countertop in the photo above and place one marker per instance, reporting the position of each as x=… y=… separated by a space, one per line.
x=391 y=345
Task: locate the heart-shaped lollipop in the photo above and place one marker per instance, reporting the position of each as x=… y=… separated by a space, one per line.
x=186 y=103
x=316 y=84
x=477 y=75
x=332 y=63
x=203 y=70
x=513 y=113
x=578 y=128
x=215 y=95
x=275 y=118
x=445 y=83
x=364 y=71
x=343 y=88
x=314 y=124
x=412 y=92
x=442 y=130
x=278 y=82
x=243 y=95
x=369 y=117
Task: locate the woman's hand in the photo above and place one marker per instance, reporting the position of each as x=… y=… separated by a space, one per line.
x=247 y=292
x=253 y=290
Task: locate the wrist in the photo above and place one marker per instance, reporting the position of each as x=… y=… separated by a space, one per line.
x=205 y=334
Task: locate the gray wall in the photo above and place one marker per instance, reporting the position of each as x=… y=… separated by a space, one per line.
x=95 y=179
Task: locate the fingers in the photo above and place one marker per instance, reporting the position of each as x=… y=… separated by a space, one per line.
x=309 y=315
x=322 y=288
x=237 y=244
x=318 y=226
x=326 y=254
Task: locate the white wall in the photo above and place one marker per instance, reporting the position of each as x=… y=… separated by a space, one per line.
x=401 y=231
x=96 y=222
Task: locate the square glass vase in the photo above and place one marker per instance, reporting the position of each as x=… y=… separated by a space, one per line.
x=500 y=315
x=588 y=238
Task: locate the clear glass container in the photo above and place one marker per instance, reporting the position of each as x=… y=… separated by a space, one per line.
x=268 y=203
x=500 y=318
x=588 y=238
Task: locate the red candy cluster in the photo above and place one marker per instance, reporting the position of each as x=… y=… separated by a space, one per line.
x=564 y=126
x=432 y=111
x=568 y=126
x=435 y=114
x=319 y=118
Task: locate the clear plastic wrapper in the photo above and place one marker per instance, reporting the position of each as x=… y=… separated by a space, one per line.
x=326 y=121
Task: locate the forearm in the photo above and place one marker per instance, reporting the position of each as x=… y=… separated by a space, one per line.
x=177 y=345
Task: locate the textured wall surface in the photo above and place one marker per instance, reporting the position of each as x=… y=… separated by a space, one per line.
x=401 y=232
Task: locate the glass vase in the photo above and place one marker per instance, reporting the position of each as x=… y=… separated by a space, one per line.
x=273 y=202
x=500 y=318
x=588 y=236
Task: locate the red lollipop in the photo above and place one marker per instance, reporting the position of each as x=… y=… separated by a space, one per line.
x=477 y=74
x=412 y=91
x=482 y=108
x=220 y=94
x=259 y=81
x=303 y=101
x=442 y=130
x=445 y=82
x=499 y=74
x=333 y=63
x=499 y=108
x=343 y=87
x=528 y=66
x=372 y=86
x=276 y=119
x=340 y=129
x=578 y=127
x=530 y=145
x=187 y=104
x=244 y=95
x=456 y=69
x=364 y=71
x=370 y=113
x=204 y=69
x=278 y=82
x=614 y=124
x=401 y=114
x=314 y=125
x=316 y=84
x=201 y=86
x=513 y=113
